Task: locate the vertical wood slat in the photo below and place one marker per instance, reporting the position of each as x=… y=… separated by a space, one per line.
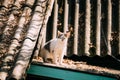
x=109 y=27
x=66 y=10
x=66 y=16
x=87 y=28
x=98 y=27
x=55 y=19
x=76 y=24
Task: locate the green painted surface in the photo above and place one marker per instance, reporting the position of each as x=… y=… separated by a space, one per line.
x=64 y=74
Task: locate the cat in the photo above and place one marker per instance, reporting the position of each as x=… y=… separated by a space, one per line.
x=55 y=48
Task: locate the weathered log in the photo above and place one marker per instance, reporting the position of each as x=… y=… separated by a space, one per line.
x=30 y=40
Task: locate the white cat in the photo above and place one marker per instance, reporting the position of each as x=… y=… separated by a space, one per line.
x=55 y=48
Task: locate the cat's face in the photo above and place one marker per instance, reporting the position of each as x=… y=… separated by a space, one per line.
x=63 y=35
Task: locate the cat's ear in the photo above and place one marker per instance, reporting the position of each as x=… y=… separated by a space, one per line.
x=59 y=33
x=67 y=34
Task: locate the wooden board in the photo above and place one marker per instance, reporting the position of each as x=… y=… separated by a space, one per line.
x=64 y=74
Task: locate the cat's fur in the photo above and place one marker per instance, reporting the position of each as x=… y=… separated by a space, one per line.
x=55 y=48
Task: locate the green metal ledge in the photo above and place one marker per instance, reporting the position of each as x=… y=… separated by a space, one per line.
x=63 y=74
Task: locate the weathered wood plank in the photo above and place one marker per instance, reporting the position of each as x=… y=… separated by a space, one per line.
x=87 y=27
x=76 y=24
x=109 y=27
x=98 y=27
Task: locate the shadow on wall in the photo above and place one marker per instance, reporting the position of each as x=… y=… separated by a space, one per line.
x=106 y=61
